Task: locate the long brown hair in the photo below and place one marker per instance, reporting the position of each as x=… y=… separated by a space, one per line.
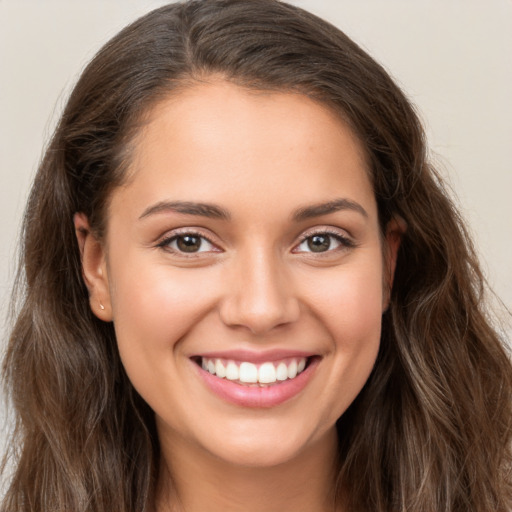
x=430 y=431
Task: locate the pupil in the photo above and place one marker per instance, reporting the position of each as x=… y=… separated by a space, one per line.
x=189 y=243
x=319 y=243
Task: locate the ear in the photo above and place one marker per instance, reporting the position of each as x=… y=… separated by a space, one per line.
x=394 y=232
x=94 y=268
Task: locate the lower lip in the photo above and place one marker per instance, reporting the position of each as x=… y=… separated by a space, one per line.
x=256 y=396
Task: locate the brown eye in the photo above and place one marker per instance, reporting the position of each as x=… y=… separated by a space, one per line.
x=319 y=243
x=323 y=242
x=189 y=243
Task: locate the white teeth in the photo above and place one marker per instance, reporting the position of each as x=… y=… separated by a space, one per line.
x=219 y=369
x=282 y=371
x=249 y=373
x=267 y=373
x=232 y=372
x=292 y=370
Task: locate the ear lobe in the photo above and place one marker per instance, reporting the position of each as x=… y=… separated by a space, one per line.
x=395 y=230
x=94 y=268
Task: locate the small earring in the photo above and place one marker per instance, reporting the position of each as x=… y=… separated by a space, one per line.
x=102 y=307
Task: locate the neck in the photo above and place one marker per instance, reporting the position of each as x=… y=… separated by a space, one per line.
x=195 y=481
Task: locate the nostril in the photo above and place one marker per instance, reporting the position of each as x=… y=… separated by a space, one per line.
x=261 y=316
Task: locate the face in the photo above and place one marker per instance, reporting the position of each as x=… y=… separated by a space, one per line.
x=243 y=270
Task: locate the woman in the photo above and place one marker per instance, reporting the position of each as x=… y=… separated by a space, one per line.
x=246 y=288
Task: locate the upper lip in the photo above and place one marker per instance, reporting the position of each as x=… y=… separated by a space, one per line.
x=256 y=357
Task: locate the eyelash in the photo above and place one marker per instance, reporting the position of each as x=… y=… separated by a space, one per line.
x=165 y=244
x=344 y=242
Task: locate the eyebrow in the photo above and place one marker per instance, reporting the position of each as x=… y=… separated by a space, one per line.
x=317 y=210
x=211 y=211
x=214 y=211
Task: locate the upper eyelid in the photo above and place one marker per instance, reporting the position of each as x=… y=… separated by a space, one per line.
x=327 y=230
x=172 y=233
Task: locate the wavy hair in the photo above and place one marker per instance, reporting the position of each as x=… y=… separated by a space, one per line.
x=431 y=429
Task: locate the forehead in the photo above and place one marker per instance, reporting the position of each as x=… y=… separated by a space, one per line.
x=216 y=140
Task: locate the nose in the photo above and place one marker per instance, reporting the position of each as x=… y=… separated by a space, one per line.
x=259 y=295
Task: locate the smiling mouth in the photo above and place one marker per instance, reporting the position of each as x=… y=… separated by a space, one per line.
x=246 y=373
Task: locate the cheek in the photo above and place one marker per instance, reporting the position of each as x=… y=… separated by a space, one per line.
x=154 y=309
x=349 y=300
x=359 y=317
x=157 y=305
x=350 y=310
x=356 y=324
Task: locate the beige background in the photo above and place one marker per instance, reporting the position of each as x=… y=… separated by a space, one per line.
x=453 y=57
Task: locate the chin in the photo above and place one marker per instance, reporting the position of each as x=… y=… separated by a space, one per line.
x=265 y=444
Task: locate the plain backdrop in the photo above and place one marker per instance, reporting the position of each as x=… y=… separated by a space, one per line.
x=452 y=57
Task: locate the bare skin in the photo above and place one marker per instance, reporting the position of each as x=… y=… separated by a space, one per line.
x=228 y=487
x=248 y=224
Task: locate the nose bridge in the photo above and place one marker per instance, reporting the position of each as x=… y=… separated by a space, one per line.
x=260 y=295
